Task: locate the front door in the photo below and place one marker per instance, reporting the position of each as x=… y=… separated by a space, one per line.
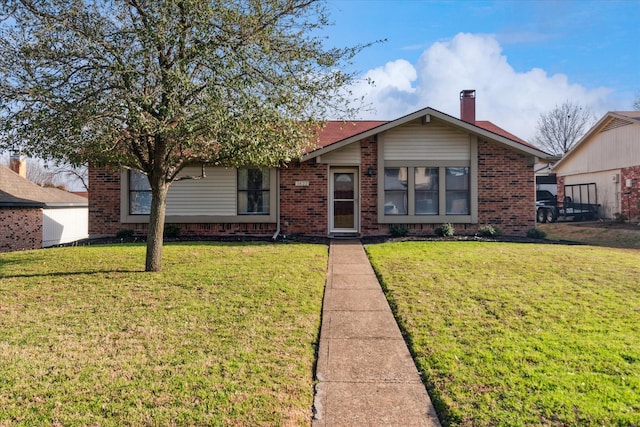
x=344 y=200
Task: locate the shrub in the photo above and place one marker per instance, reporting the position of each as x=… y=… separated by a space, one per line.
x=536 y=233
x=398 y=230
x=489 y=231
x=171 y=231
x=619 y=217
x=445 y=230
x=124 y=234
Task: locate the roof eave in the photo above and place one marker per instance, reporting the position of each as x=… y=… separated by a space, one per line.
x=594 y=130
x=471 y=128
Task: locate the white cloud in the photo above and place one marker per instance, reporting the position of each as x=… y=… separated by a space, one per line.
x=512 y=100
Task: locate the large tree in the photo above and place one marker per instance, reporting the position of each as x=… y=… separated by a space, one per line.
x=155 y=85
x=559 y=129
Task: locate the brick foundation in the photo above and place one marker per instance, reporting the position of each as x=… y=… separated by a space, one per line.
x=20 y=228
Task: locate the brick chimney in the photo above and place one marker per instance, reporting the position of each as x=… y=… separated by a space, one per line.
x=18 y=164
x=468 y=106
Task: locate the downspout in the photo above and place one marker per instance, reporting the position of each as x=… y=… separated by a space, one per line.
x=277 y=233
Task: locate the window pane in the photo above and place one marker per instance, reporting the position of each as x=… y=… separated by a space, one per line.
x=140 y=202
x=395 y=202
x=457 y=184
x=343 y=186
x=139 y=194
x=395 y=194
x=395 y=178
x=426 y=179
x=138 y=181
x=343 y=214
x=253 y=202
x=426 y=191
x=457 y=179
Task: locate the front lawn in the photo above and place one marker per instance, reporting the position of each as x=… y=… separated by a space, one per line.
x=224 y=336
x=520 y=334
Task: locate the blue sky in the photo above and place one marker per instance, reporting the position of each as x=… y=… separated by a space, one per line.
x=522 y=57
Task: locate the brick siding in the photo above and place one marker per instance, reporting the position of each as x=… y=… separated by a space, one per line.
x=506 y=190
x=20 y=228
x=104 y=201
x=630 y=202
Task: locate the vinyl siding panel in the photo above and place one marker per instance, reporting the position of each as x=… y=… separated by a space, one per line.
x=608 y=189
x=348 y=155
x=618 y=147
x=213 y=195
x=415 y=141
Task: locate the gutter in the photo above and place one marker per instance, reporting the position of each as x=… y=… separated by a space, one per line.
x=277 y=233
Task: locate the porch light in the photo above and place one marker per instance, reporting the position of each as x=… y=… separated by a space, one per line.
x=371 y=171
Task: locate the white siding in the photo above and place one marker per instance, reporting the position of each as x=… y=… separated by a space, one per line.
x=608 y=189
x=64 y=225
x=348 y=155
x=415 y=141
x=213 y=195
x=616 y=148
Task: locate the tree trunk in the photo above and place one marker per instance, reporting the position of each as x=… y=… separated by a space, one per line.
x=155 y=233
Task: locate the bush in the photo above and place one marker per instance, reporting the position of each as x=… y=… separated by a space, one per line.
x=445 y=230
x=489 y=231
x=619 y=217
x=535 y=233
x=171 y=231
x=398 y=230
x=124 y=234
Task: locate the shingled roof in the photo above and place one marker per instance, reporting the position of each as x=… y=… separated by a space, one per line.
x=336 y=133
x=20 y=192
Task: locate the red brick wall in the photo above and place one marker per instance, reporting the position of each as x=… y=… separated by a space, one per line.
x=369 y=190
x=560 y=184
x=630 y=203
x=304 y=209
x=506 y=190
x=104 y=201
x=20 y=228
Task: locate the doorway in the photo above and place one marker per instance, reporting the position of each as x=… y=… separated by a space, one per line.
x=343 y=200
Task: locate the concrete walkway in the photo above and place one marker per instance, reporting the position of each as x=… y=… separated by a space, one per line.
x=366 y=376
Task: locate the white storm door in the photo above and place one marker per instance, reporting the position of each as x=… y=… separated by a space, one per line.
x=343 y=197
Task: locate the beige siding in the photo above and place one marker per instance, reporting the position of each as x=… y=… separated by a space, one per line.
x=434 y=142
x=607 y=187
x=213 y=195
x=618 y=147
x=348 y=155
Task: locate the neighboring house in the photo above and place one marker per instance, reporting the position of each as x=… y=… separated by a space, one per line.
x=33 y=217
x=364 y=178
x=609 y=157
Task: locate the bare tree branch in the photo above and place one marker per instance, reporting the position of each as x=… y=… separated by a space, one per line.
x=559 y=129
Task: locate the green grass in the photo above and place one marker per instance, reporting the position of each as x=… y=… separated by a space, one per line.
x=520 y=334
x=225 y=335
x=595 y=233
